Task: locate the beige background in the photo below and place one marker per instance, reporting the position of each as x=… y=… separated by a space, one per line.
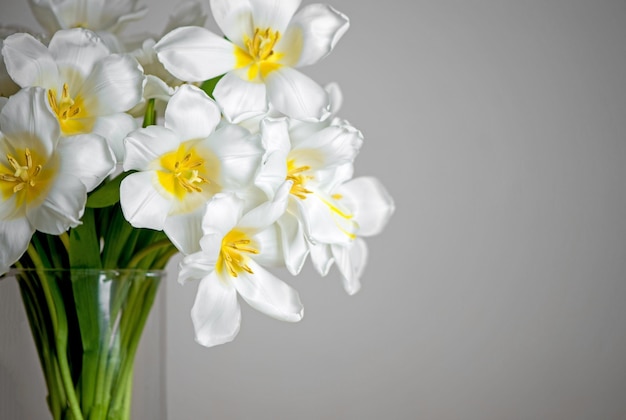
x=498 y=289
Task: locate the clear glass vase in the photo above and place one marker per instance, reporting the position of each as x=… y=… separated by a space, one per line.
x=86 y=325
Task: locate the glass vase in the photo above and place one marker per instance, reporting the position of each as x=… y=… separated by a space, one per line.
x=86 y=325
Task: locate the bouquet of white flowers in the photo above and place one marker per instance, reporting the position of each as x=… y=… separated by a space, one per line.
x=117 y=151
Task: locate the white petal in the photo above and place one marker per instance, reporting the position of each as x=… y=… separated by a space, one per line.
x=239 y=154
x=274 y=14
x=321 y=257
x=267 y=213
x=296 y=95
x=222 y=214
x=185 y=230
x=191 y=114
x=143 y=206
x=45 y=15
x=114 y=128
x=322 y=27
x=28 y=61
x=336 y=97
x=351 y=262
x=77 y=50
x=28 y=122
x=234 y=17
x=14 y=236
x=240 y=99
x=273 y=172
x=267 y=242
x=187 y=13
x=294 y=244
x=87 y=157
x=114 y=85
x=326 y=220
x=336 y=144
x=196 y=266
x=215 y=314
x=268 y=294
x=195 y=54
x=62 y=208
x=145 y=145
x=371 y=203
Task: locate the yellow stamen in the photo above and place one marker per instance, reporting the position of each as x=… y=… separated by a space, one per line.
x=232 y=253
x=23 y=175
x=259 y=53
x=294 y=173
x=70 y=111
x=182 y=176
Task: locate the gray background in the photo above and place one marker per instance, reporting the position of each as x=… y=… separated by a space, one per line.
x=497 y=290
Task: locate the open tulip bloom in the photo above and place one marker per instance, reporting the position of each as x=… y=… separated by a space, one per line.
x=217 y=148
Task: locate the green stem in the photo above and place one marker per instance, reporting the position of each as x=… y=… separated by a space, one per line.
x=163 y=243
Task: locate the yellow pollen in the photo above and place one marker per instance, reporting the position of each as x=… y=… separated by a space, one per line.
x=69 y=111
x=232 y=253
x=259 y=54
x=23 y=175
x=261 y=46
x=186 y=174
x=294 y=173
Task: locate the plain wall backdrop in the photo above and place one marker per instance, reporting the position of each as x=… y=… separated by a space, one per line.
x=498 y=289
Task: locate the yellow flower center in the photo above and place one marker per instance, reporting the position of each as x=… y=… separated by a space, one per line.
x=180 y=173
x=24 y=177
x=233 y=253
x=259 y=53
x=294 y=173
x=70 y=112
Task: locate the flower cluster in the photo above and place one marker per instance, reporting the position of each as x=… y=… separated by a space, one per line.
x=215 y=146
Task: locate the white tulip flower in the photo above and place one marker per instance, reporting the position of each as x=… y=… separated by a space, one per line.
x=235 y=247
x=44 y=178
x=88 y=88
x=266 y=42
x=182 y=164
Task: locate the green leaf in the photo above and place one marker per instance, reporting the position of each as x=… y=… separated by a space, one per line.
x=149 y=117
x=85 y=244
x=209 y=85
x=107 y=194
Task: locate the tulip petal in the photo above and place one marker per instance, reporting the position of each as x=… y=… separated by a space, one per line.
x=239 y=154
x=114 y=128
x=28 y=61
x=351 y=262
x=76 y=51
x=268 y=294
x=62 y=208
x=215 y=314
x=114 y=85
x=372 y=204
x=196 y=266
x=14 y=235
x=18 y=117
x=267 y=213
x=191 y=114
x=297 y=95
x=222 y=214
x=87 y=157
x=274 y=14
x=184 y=230
x=275 y=139
x=321 y=257
x=321 y=27
x=240 y=99
x=145 y=145
x=234 y=18
x=143 y=206
x=195 y=54
x=294 y=245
